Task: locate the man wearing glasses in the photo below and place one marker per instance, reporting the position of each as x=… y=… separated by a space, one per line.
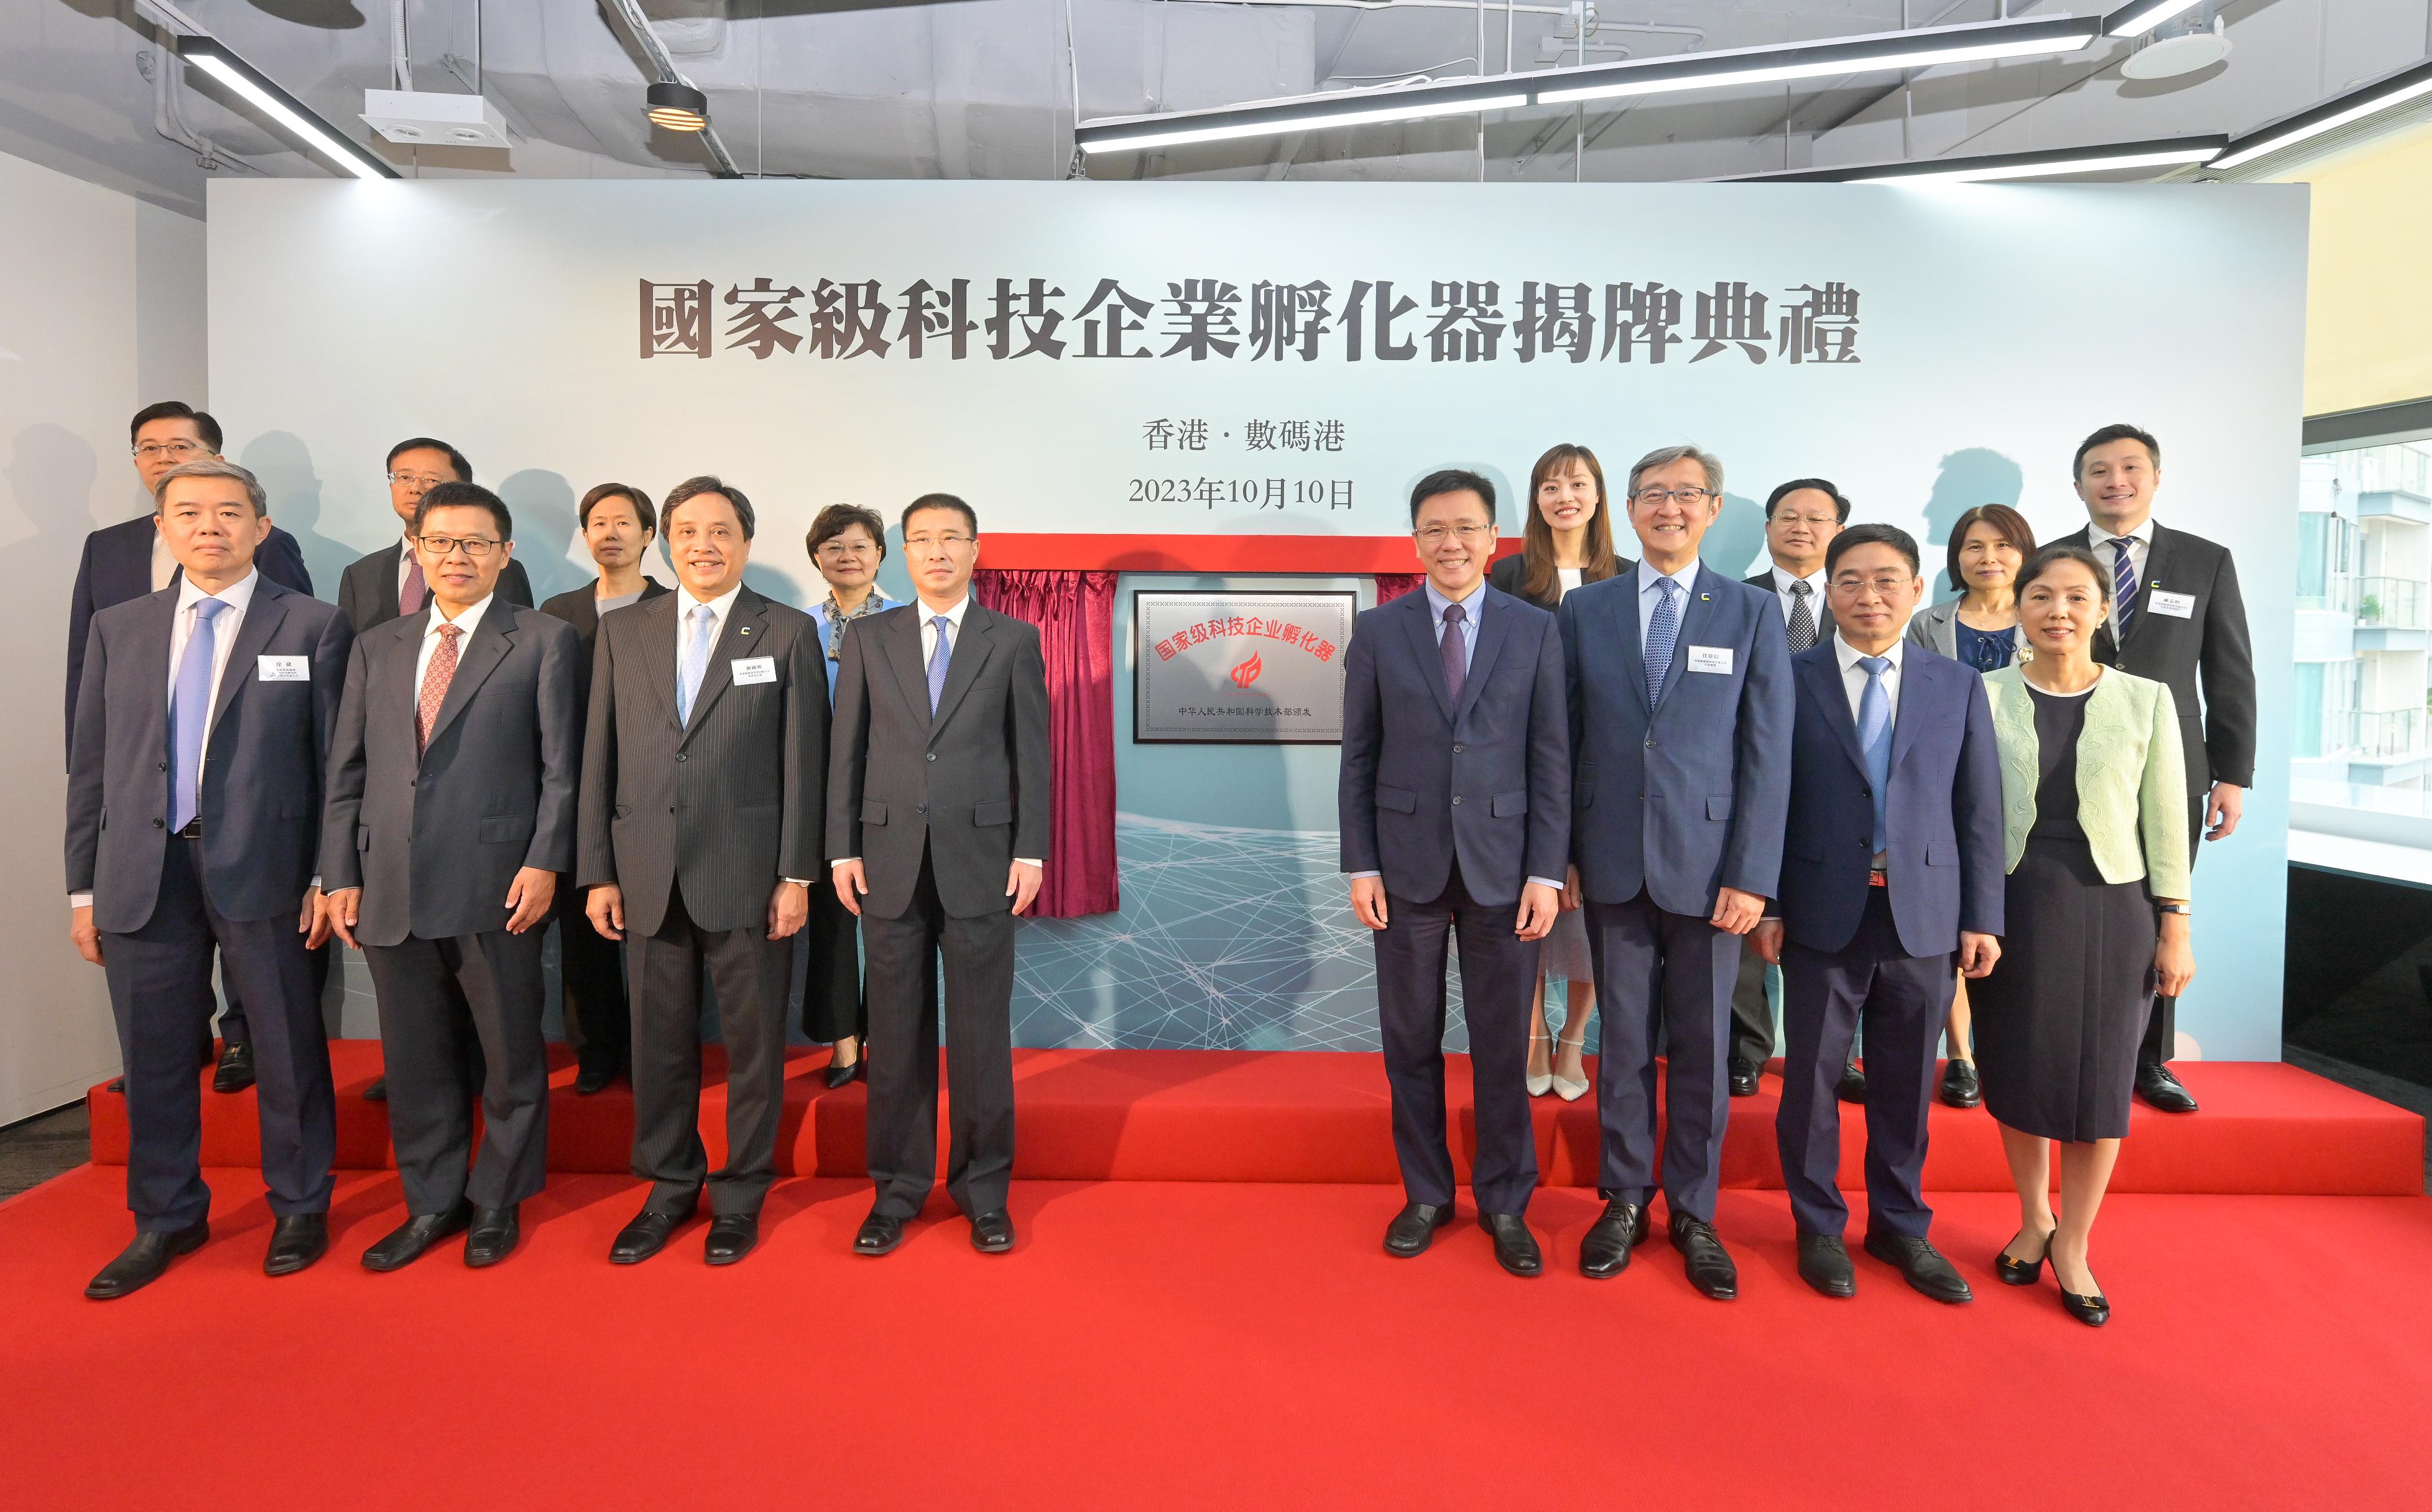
x=936 y=826
x=389 y=583
x=1681 y=710
x=131 y=558
x=444 y=881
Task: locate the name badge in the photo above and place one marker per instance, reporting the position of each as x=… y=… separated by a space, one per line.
x=752 y=669
x=1710 y=659
x=284 y=668
x=2178 y=606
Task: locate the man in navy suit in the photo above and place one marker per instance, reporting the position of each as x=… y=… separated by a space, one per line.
x=201 y=728
x=1893 y=866
x=131 y=558
x=1456 y=821
x=1681 y=714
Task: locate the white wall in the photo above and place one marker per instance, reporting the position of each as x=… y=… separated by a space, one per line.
x=101 y=312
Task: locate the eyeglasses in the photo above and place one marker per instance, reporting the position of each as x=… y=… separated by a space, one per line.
x=426 y=482
x=1786 y=518
x=925 y=543
x=1886 y=585
x=839 y=546
x=1434 y=535
x=473 y=546
x=1685 y=495
x=155 y=450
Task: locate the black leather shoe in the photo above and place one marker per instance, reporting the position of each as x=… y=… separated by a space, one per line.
x=992 y=1233
x=2160 y=1089
x=1515 y=1248
x=236 y=1070
x=2093 y=1311
x=1605 y=1252
x=415 y=1236
x=646 y=1235
x=592 y=1077
x=1922 y=1263
x=1743 y=1079
x=144 y=1261
x=846 y=1075
x=1414 y=1228
x=1851 y=1087
x=1824 y=1263
x=493 y=1236
x=296 y=1241
x=731 y=1235
x=2022 y=1272
x=378 y=1091
x=1960 y=1088
x=880 y=1233
x=1709 y=1265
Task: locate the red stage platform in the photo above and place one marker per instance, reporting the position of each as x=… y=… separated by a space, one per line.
x=1224 y=1116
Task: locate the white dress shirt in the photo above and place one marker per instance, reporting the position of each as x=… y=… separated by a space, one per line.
x=238 y=595
x=954 y=615
x=2140 y=548
x=1648 y=596
x=164 y=561
x=469 y=621
x=1567 y=579
x=1815 y=580
x=1853 y=679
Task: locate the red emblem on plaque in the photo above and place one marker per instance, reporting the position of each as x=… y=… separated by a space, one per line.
x=1247 y=672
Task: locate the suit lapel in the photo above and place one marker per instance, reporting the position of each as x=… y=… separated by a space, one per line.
x=1624 y=611
x=902 y=658
x=152 y=649
x=1916 y=686
x=1493 y=629
x=1825 y=687
x=970 y=652
x=1419 y=624
x=744 y=634
x=261 y=619
x=483 y=650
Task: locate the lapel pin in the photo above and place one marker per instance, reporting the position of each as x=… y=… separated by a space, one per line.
x=744 y=629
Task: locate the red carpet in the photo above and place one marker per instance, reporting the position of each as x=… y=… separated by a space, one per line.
x=1318 y=1117
x=1209 y=1345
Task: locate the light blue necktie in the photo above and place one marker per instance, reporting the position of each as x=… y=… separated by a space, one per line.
x=190 y=710
x=1875 y=739
x=1662 y=632
x=696 y=662
x=938 y=659
x=2123 y=583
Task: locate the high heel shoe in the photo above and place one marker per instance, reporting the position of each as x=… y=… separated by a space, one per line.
x=2093 y=1311
x=2022 y=1272
x=1568 y=1089
x=1540 y=1085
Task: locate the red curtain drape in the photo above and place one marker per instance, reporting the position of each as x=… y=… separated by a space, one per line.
x=1075 y=615
x=1392 y=585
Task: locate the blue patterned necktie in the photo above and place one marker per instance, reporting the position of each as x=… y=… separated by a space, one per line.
x=2123 y=583
x=938 y=659
x=1451 y=648
x=1875 y=739
x=1663 y=633
x=696 y=662
x=190 y=710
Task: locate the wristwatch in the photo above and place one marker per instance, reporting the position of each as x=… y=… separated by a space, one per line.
x=2176 y=908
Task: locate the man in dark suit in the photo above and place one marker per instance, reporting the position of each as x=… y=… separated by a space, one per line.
x=1680 y=714
x=212 y=799
x=1800 y=519
x=131 y=558
x=444 y=881
x=699 y=839
x=1456 y=796
x=388 y=583
x=938 y=835
x=2177 y=618
x=618 y=527
x=1892 y=874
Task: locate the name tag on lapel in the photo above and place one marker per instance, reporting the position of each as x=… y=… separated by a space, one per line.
x=750 y=669
x=284 y=668
x=1710 y=659
x=2178 y=606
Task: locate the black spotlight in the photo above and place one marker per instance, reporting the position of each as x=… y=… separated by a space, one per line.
x=678 y=107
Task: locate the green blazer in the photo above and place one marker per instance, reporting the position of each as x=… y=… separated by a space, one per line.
x=2131 y=783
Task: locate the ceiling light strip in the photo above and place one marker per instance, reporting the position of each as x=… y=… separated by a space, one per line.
x=2129 y=20
x=2365 y=99
x=283 y=110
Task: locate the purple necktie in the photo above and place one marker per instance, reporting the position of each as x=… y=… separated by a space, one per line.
x=414 y=592
x=938 y=660
x=1456 y=665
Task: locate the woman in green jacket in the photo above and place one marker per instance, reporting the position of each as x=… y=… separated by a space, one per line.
x=2094 y=807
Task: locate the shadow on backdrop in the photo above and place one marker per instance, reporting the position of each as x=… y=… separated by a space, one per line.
x=284 y=465
x=1969 y=477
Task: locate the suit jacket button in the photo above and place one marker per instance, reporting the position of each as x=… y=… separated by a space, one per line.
x=680 y=755
x=933 y=755
x=159 y=824
x=1457 y=748
x=164 y=766
x=1456 y=800
x=920 y=808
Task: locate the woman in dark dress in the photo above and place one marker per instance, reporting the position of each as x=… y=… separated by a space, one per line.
x=1568 y=540
x=2094 y=811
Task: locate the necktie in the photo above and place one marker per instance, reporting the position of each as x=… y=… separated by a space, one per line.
x=1802 y=617
x=695 y=662
x=940 y=658
x=435 y=678
x=1875 y=739
x=1456 y=665
x=1663 y=631
x=2123 y=583
x=190 y=710
x=415 y=596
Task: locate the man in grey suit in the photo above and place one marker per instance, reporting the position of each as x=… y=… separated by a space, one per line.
x=1455 y=809
x=192 y=820
x=444 y=881
x=699 y=839
x=1681 y=707
x=937 y=835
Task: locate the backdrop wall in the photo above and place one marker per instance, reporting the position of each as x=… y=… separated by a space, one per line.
x=103 y=314
x=1196 y=375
